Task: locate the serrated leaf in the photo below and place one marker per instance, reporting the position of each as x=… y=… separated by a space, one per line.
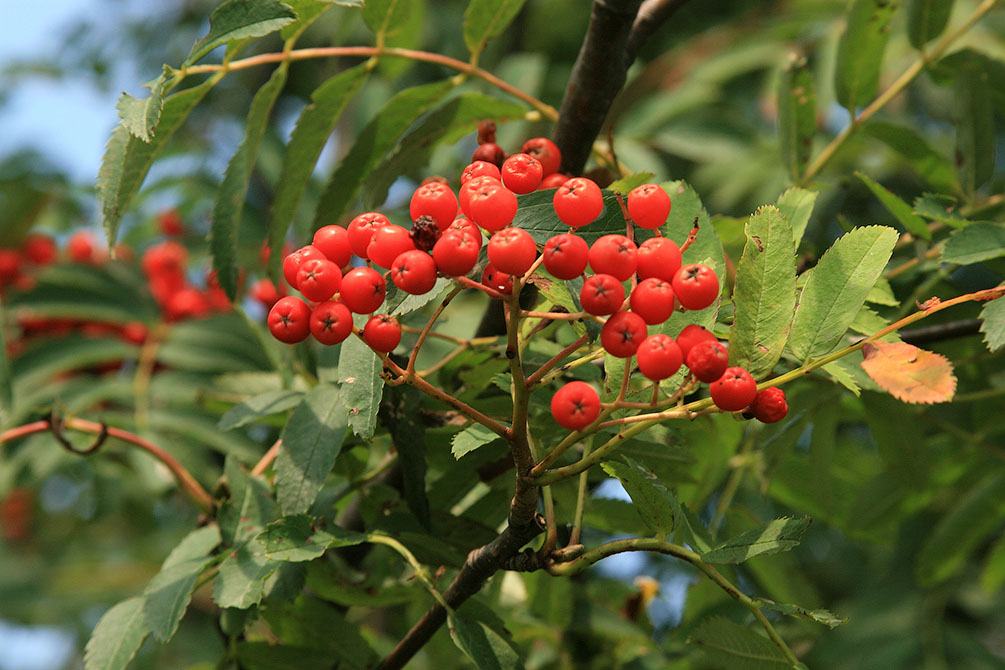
x=127 y=159
x=764 y=295
x=908 y=373
x=485 y=19
x=653 y=502
x=975 y=243
x=403 y=421
x=860 y=51
x=372 y=143
x=474 y=436
x=903 y=212
x=482 y=644
x=241 y=579
x=797 y=120
x=311 y=439
x=975 y=129
x=316 y=123
x=842 y=376
x=117 y=637
x=256 y=407
x=386 y=17
x=826 y=617
x=241 y=19
x=242 y=516
x=626 y=184
x=168 y=593
x=398 y=302
x=796 y=205
x=837 y=287
x=230 y=197
x=770 y=538
x=977 y=513
x=939 y=207
x=737 y=647
x=917 y=152
x=882 y=294
x=536 y=215
x=361 y=383
x=298 y=538
x=993 y=324
x=454 y=118
x=308 y=11
x=926 y=19
x=140 y=116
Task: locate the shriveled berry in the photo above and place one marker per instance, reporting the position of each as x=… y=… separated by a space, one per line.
x=424 y=233
x=769 y=405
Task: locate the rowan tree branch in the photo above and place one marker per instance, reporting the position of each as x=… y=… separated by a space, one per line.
x=651 y=15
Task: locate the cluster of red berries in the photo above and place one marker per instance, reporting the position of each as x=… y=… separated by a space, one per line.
x=442 y=243
x=165 y=266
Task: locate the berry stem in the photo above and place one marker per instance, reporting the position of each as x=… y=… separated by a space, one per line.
x=691 y=236
x=491 y=292
x=410 y=369
x=577 y=519
x=555 y=360
x=268 y=459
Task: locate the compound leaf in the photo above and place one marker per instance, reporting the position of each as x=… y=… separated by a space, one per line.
x=311 y=439
x=117 y=637
x=241 y=19
x=770 y=538
x=168 y=593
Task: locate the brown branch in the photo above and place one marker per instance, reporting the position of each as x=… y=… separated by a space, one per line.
x=652 y=14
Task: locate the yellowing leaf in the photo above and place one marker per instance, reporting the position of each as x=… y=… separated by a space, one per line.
x=908 y=373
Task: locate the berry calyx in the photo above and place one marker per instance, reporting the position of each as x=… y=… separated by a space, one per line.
x=382 y=333
x=318 y=279
x=695 y=286
x=289 y=320
x=769 y=405
x=578 y=202
x=575 y=406
x=649 y=206
x=622 y=334
x=330 y=322
x=734 y=390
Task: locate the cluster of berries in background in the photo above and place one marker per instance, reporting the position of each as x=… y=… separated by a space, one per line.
x=345 y=270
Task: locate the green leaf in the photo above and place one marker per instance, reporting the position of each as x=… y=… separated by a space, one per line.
x=241 y=19
x=386 y=18
x=993 y=574
x=826 y=617
x=401 y=417
x=243 y=515
x=764 y=296
x=860 y=51
x=373 y=142
x=797 y=120
x=736 y=647
x=256 y=407
x=770 y=538
x=308 y=11
x=362 y=386
x=474 y=436
x=653 y=502
x=975 y=515
x=316 y=123
x=454 y=118
x=311 y=439
x=946 y=71
x=485 y=19
x=140 y=116
x=917 y=152
x=975 y=243
x=308 y=621
x=269 y=656
x=913 y=223
x=882 y=294
x=117 y=637
x=231 y=194
x=837 y=287
x=482 y=644
x=796 y=205
x=298 y=538
x=168 y=593
x=993 y=324
x=398 y=302
x=127 y=159
x=241 y=580
x=536 y=215
x=6 y=381
x=111 y=294
x=926 y=19
x=975 y=129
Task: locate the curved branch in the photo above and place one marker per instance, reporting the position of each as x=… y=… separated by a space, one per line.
x=652 y=14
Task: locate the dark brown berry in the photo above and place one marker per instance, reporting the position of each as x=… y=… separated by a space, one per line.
x=424 y=233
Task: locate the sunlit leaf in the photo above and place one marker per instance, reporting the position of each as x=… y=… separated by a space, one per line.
x=796 y=205
x=975 y=243
x=240 y=19
x=993 y=324
x=770 y=538
x=140 y=116
x=474 y=436
x=361 y=383
x=908 y=373
x=261 y=405
x=117 y=637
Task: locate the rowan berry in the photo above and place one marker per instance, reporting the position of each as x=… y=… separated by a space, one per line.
x=497 y=279
x=362 y=290
x=554 y=180
x=622 y=334
x=382 y=333
x=521 y=173
x=330 y=322
x=734 y=390
x=695 y=286
x=318 y=279
x=388 y=242
x=614 y=255
x=658 y=357
x=658 y=257
x=490 y=152
x=578 y=202
x=707 y=360
x=333 y=242
x=575 y=406
x=566 y=255
x=545 y=151
x=648 y=205
x=769 y=405
x=293 y=261
x=601 y=295
x=492 y=206
x=455 y=253
x=414 y=272
x=289 y=320
x=480 y=169
x=170 y=223
x=652 y=299
x=361 y=229
x=80 y=247
x=468 y=188
x=39 y=249
x=266 y=293
x=436 y=200
x=512 y=250
x=469 y=228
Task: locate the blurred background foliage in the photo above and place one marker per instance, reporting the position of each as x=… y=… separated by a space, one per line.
x=908 y=502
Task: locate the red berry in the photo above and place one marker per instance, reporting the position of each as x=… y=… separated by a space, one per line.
x=318 y=279
x=293 y=261
x=575 y=406
x=480 y=169
x=266 y=293
x=622 y=334
x=648 y=205
x=492 y=206
x=652 y=299
x=455 y=253
x=658 y=357
x=497 y=279
x=468 y=227
x=414 y=272
x=382 y=333
x=658 y=257
x=554 y=180
x=333 y=242
x=601 y=295
x=39 y=249
x=388 y=243
x=521 y=173
x=490 y=152
x=578 y=202
x=80 y=247
x=769 y=405
x=707 y=360
x=187 y=303
x=170 y=223
x=691 y=335
x=469 y=188
x=361 y=229
x=135 y=332
x=10 y=265
x=330 y=322
x=734 y=390
x=167 y=258
x=435 y=200
x=566 y=255
x=614 y=255
x=695 y=286
x=363 y=290
x=546 y=152
x=512 y=250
